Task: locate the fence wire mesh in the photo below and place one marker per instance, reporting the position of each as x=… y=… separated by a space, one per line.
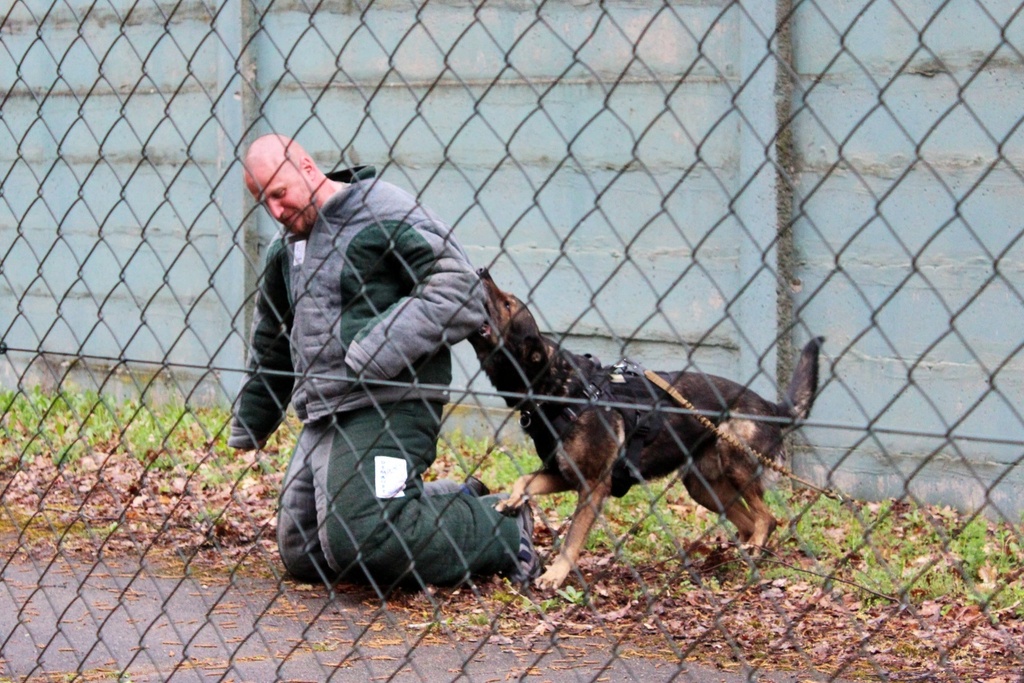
x=700 y=186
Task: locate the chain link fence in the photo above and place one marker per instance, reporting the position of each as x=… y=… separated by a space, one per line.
x=698 y=185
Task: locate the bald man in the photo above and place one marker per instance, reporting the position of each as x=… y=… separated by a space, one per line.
x=360 y=302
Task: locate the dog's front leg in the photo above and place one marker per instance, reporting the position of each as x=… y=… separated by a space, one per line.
x=533 y=484
x=591 y=500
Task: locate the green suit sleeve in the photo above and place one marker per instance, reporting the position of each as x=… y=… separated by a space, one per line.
x=266 y=390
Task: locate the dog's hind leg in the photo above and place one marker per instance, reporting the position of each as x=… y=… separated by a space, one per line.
x=591 y=500
x=748 y=512
x=764 y=520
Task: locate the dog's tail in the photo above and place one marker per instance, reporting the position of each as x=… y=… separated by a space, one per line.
x=803 y=388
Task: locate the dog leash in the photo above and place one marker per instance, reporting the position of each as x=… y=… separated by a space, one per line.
x=660 y=382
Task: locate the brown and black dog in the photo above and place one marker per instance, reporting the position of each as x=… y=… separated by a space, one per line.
x=573 y=409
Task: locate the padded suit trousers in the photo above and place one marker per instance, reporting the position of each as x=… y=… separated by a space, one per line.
x=354 y=505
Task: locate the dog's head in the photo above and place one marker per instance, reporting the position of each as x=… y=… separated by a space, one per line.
x=509 y=333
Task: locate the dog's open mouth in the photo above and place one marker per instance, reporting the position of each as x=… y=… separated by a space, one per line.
x=485 y=330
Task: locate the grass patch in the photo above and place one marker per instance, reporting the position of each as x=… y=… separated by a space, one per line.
x=65 y=426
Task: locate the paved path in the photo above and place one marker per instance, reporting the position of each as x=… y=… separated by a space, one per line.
x=107 y=621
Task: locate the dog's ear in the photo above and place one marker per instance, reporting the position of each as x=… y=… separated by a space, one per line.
x=536 y=354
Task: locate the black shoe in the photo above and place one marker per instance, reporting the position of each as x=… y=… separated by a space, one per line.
x=528 y=567
x=475 y=487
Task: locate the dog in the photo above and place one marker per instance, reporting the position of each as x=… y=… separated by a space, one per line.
x=593 y=441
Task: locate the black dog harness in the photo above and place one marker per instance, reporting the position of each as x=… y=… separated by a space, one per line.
x=623 y=383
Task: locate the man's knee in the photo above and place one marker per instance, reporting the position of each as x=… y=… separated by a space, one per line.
x=301 y=552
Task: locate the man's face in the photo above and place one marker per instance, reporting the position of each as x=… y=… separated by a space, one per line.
x=285 y=189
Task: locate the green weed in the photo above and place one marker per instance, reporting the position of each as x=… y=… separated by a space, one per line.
x=573 y=595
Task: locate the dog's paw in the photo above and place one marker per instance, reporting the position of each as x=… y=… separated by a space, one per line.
x=554 y=577
x=754 y=551
x=508 y=506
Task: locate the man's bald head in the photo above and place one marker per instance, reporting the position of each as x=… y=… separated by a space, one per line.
x=282 y=176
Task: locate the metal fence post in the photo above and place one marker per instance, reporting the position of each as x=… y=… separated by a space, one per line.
x=785 y=157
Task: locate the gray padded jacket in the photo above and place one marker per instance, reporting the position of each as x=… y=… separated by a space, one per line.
x=373 y=300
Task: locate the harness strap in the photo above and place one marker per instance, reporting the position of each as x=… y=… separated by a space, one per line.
x=637 y=423
x=626 y=470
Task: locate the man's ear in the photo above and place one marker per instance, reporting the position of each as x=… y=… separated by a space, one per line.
x=308 y=167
